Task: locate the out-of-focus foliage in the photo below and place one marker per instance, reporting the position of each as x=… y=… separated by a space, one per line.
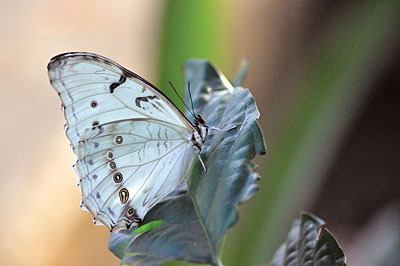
x=309 y=243
x=191 y=29
x=324 y=103
x=330 y=93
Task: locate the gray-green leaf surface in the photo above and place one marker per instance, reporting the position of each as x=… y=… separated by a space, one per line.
x=309 y=243
x=195 y=222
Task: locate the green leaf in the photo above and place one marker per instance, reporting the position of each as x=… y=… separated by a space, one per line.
x=230 y=176
x=194 y=223
x=180 y=237
x=309 y=243
x=152 y=225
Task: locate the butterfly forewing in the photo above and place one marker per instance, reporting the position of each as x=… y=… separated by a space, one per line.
x=132 y=144
x=95 y=90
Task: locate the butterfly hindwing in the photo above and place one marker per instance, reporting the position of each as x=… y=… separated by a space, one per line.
x=139 y=156
x=132 y=144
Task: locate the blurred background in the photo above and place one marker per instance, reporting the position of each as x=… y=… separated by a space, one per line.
x=325 y=76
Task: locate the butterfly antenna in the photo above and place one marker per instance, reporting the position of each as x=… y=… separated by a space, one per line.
x=190 y=96
x=170 y=83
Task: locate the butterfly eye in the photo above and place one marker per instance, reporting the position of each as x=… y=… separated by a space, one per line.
x=93 y=104
x=95 y=123
x=123 y=195
x=201 y=119
x=118 y=177
x=118 y=139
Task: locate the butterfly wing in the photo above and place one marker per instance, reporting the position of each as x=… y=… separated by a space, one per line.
x=129 y=165
x=132 y=144
x=95 y=90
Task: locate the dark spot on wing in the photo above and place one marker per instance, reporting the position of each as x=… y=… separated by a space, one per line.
x=98 y=195
x=152 y=97
x=111 y=211
x=94 y=176
x=119 y=139
x=123 y=195
x=138 y=99
x=112 y=165
x=144 y=99
x=114 y=85
x=118 y=177
x=90 y=162
x=156 y=107
x=131 y=213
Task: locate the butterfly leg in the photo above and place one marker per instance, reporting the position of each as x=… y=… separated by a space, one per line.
x=219 y=129
x=202 y=163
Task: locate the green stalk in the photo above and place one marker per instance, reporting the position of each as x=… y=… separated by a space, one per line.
x=191 y=29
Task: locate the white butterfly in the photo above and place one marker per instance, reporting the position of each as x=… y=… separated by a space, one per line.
x=133 y=145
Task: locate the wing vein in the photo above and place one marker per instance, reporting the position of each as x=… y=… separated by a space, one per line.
x=132 y=165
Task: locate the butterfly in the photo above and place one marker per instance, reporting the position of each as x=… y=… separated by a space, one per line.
x=133 y=145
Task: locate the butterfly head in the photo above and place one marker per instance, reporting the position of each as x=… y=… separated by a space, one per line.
x=201 y=131
x=199 y=120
